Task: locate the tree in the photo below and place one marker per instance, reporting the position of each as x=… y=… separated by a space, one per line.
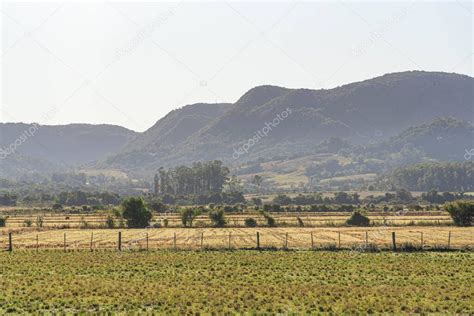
x=257 y=181
x=217 y=217
x=136 y=213
x=188 y=215
x=250 y=222
x=462 y=212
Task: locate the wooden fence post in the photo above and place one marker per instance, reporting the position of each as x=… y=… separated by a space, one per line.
x=286 y=240
x=394 y=243
x=147 y=241
x=202 y=240
x=258 y=240
x=92 y=240
x=229 y=239
x=10 y=242
x=366 y=239
x=174 y=241
x=312 y=241
x=449 y=239
x=65 y=245
x=339 y=240
x=119 y=241
x=37 y=242
x=421 y=240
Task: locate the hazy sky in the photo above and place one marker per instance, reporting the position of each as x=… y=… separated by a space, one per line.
x=131 y=63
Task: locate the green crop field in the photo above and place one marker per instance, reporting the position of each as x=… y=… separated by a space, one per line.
x=236 y=282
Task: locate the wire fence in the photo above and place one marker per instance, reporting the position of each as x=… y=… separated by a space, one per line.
x=213 y=238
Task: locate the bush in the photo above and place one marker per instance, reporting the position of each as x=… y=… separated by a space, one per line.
x=188 y=215
x=28 y=222
x=300 y=222
x=358 y=219
x=136 y=213
x=461 y=212
x=165 y=222
x=109 y=222
x=3 y=221
x=270 y=220
x=39 y=221
x=217 y=217
x=250 y=222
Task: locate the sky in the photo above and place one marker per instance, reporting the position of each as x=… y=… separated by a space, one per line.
x=129 y=64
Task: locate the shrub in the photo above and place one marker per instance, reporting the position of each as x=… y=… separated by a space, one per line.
x=358 y=219
x=136 y=213
x=39 y=221
x=57 y=206
x=250 y=222
x=270 y=220
x=188 y=215
x=28 y=222
x=109 y=222
x=217 y=217
x=462 y=212
x=165 y=222
x=300 y=222
x=3 y=221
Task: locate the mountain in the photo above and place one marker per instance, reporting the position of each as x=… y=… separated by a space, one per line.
x=442 y=139
x=163 y=137
x=361 y=112
x=430 y=111
x=33 y=147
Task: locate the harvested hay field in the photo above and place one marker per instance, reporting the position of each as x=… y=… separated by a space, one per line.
x=239 y=238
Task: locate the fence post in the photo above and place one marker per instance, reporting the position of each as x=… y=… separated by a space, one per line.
x=312 y=241
x=421 y=240
x=286 y=240
x=339 y=240
x=37 y=242
x=366 y=239
x=10 y=242
x=92 y=240
x=147 y=241
x=202 y=240
x=174 y=241
x=449 y=239
x=119 y=241
x=65 y=245
x=258 y=240
x=394 y=243
x=229 y=239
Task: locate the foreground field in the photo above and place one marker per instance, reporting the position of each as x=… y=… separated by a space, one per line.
x=237 y=281
x=278 y=237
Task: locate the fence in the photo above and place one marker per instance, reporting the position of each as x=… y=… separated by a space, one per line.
x=261 y=238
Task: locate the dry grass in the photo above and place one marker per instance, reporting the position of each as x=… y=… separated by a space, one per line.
x=282 y=219
x=190 y=238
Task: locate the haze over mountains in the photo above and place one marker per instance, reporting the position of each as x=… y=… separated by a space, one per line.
x=429 y=110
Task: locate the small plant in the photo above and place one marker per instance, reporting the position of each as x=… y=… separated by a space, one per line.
x=217 y=217
x=250 y=222
x=165 y=222
x=300 y=222
x=270 y=220
x=28 y=222
x=39 y=221
x=83 y=223
x=3 y=221
x=358 y=219
x=109 y=222
x=156 y=225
